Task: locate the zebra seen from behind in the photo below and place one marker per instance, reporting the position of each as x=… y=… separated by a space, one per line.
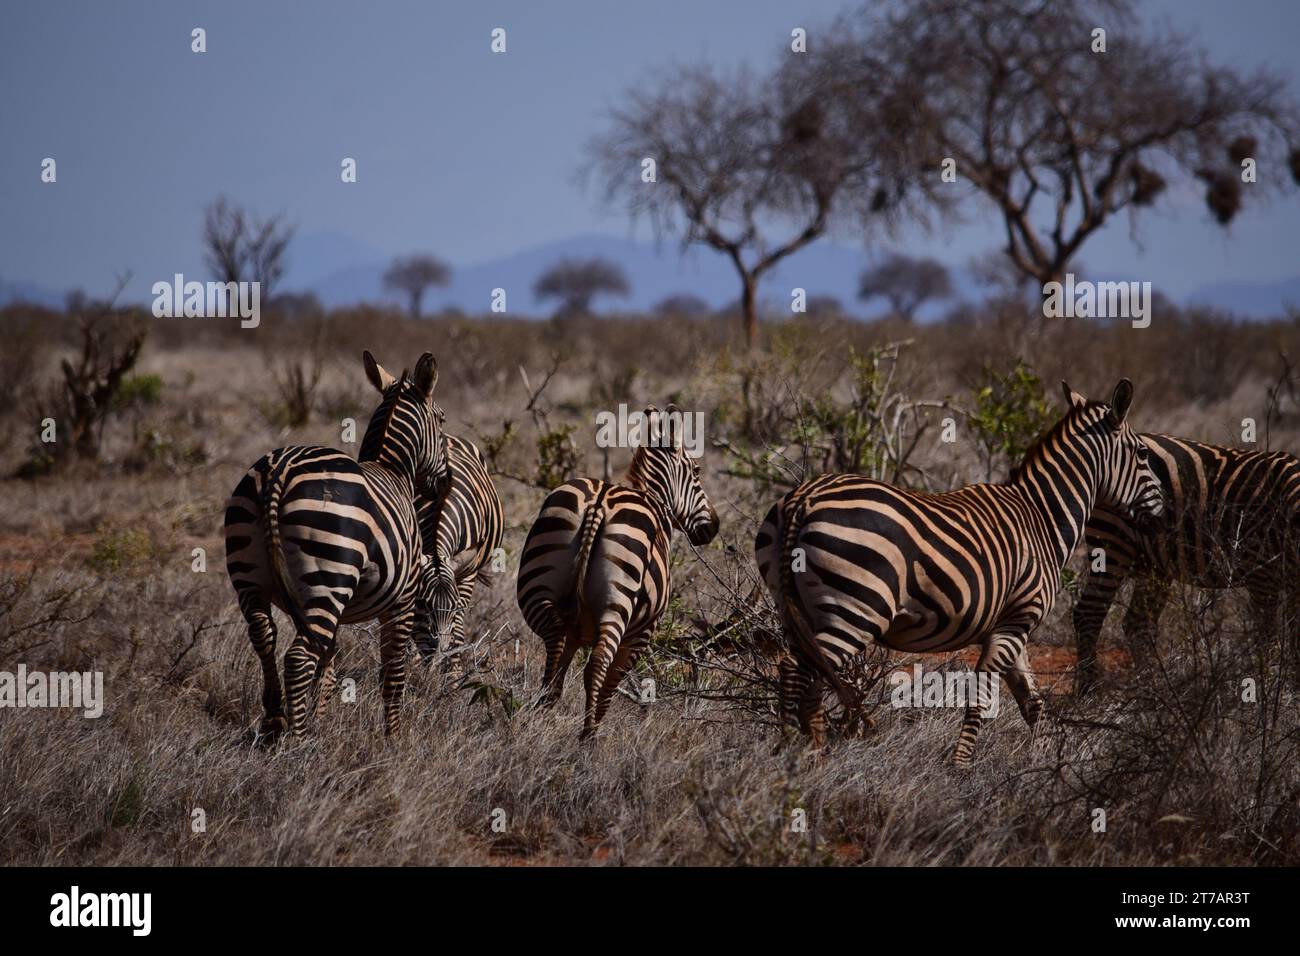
x=331 y=540
x=931 y=573
x=594 y=569
x=1233 y=520
x=461 y=524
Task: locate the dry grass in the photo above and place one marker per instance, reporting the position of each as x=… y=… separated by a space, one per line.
x=95 y=574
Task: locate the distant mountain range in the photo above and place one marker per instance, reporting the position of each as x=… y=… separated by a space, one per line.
x=341 y=270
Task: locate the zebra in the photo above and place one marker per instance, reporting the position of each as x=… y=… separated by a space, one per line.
x=461 y=524
x=1232 y=522
x=931 y=573
x=331 y=540
x=594 y=569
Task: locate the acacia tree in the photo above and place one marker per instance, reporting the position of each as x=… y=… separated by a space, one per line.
x=681 y=303
x=906 y=283
x=412 y=275
x=240 y=247
x=1059 y=136
x=575 y=282
x=739 y=158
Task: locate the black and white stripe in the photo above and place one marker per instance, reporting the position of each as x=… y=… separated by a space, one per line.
x=461 y=524
x=594 y=570
x=1232 y=521
x=331 y=540
x=921 y=572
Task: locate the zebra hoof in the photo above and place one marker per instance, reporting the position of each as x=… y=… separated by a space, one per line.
x=783 y=743
x=960 y=761
x=270 y=730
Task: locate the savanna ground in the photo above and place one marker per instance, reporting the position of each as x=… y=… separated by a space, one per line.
x=96 y=573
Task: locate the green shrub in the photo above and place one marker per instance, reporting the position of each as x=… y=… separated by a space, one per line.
x=138 y=391
x=121 y=549
x=1009 y=411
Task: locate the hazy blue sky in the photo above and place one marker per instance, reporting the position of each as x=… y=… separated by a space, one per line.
x=462 y=152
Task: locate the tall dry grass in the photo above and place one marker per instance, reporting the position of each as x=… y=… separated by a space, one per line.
x=95 y=574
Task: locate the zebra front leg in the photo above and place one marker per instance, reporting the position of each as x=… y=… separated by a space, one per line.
x=1141 y=623
x=261 y=633
x=1088 y=616
x=394 y=633
x=426 y=645
x=999 y=654
x=456 y=641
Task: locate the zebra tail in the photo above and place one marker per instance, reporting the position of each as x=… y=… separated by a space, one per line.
x=593 y=519
x=272 y=512
x=798 y=627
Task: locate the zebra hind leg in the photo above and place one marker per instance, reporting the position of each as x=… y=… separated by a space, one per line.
x=1000 y=653
x=1020 y=680
x=261 y=633
x=629 y=651
x=792 y=680
x=598 y=668
x=560 y=646
x=300 y=669
x=325 y=679
x=812 y=713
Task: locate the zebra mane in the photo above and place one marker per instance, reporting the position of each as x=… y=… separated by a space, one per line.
x=372 y=442
x=1033 y=452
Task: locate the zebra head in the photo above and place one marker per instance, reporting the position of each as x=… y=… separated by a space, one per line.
x=1125 y=481
x=438 y=603
x=662 y=468
x=406 y=429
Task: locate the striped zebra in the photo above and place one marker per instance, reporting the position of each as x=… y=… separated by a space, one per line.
x=1233 y=521
x=849 y=560
x=461 y=525
x=594 y=570
x=331 y=540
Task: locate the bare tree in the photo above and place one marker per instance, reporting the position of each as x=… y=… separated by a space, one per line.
x=110 y=344
x=239 y=247
x=906 y=283
x=575 y=282
x=1061 y=136
x=412 y=275
x=737 y=155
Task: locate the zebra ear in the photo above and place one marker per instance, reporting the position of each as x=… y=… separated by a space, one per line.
x=652 y=427
x=378 y=376
x=673 y=425
x=426 y=374
x=1121 y=400
x=1074 y=399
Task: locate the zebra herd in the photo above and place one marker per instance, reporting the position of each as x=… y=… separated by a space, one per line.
x=404 y=531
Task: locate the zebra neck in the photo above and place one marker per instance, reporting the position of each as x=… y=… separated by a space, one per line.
x=1063 y=496
x=392 y=457
x=653 y=495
